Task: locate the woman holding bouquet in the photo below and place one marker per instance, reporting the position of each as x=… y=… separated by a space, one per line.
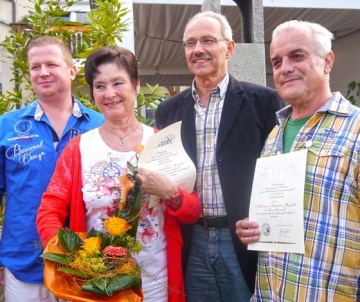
x=84 y=190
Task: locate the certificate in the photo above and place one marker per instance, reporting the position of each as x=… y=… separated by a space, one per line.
x=277 y=202
x=164 y=153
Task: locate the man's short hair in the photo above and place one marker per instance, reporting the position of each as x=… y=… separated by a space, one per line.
x=322 y=37
x=225 y=26
x=50 y=40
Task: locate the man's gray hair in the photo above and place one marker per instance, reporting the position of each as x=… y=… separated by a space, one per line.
x=225 y=26
x=322 y=37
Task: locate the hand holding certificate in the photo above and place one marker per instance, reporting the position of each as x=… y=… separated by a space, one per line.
x=164 y=153
x=277 y=202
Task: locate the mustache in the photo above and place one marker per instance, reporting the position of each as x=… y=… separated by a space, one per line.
x=201 y=56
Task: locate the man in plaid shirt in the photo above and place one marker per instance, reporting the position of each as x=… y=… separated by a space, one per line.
x=328 y=126
x=225 y=123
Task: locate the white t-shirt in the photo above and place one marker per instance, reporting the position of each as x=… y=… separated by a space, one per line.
x=100 y=168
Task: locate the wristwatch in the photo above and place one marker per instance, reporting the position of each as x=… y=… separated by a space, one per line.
x=176 y=201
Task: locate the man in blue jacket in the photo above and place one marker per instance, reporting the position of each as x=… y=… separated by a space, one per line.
x=31 y=141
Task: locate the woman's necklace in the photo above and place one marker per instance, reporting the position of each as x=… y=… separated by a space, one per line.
x=121 y=142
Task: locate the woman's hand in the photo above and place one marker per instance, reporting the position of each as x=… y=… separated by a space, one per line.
x=156 y=184
x=247 y=231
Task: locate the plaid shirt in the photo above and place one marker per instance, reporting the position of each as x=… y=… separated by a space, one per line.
x=330 y=268
x=207 y=121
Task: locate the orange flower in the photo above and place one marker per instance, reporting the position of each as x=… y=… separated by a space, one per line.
x=138 y=148
x=126 y=184
x=116 y=226
x=91 y=246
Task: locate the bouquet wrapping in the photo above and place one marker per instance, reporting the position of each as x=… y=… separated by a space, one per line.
x=97 y=266
x=69 y=287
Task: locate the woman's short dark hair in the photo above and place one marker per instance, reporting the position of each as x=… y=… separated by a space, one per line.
x=123 y=58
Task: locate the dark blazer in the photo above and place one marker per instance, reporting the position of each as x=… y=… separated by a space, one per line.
x=247 y=118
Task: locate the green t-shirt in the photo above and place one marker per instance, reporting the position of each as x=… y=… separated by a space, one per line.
x=292 y=127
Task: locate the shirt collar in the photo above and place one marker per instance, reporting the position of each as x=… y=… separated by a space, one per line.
x=36 y=111
x=336 y=105
x=221 y=86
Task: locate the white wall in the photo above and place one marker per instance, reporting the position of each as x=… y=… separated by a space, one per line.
x=5 y=15
x=347 y=62
x=21 y=8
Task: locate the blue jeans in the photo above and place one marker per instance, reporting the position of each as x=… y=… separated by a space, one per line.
x=213 y=272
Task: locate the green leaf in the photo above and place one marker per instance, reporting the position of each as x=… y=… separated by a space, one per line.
x=72 y=272
x=136 y=210
x=121 y=241
x=90 y=287
x=69 y=240
x=352 y=85
x=131 y=168
x=109 y=286
x=105 y=240
x=59 y=258
x=37 y=8
x=92 y=233
x=121 y=282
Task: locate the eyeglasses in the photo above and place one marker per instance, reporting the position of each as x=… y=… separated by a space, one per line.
x=205 y=42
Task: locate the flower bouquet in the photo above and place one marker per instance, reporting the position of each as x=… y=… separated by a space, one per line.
x=97 y=266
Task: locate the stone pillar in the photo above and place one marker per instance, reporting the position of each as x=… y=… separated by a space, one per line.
x=212 y=5
x=248 y=61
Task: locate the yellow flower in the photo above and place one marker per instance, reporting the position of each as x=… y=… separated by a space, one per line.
x=91 y=246
x=116 y=226
x=126 y=184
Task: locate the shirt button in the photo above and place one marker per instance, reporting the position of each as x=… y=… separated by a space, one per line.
x=308 y=144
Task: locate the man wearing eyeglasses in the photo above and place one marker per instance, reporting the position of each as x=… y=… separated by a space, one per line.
x=224 y=126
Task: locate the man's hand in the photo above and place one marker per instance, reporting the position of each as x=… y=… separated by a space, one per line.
x=247 y=231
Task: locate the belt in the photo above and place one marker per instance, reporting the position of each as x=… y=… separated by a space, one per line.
x=213 y=222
